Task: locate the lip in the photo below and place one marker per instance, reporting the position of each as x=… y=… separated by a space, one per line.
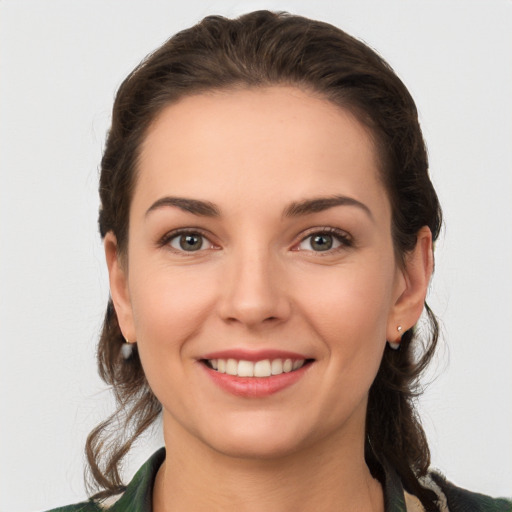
x=254 y=355
x=254 y=387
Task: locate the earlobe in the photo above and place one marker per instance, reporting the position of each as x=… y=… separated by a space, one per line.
x=417 y=271
x=119 y=290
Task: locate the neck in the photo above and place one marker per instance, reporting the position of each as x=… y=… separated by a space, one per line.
x=326 y=476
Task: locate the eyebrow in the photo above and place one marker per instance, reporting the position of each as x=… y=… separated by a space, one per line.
x=195 y=206
x=319 y=204
x=295 y=209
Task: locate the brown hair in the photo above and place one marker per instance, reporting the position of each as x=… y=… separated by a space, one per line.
x=263 y=49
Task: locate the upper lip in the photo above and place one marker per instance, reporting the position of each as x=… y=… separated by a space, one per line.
x=254 y=355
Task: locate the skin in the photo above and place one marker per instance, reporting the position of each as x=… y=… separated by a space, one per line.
x=257 y=282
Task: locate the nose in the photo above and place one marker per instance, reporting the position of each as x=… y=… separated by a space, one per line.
x=253 y=291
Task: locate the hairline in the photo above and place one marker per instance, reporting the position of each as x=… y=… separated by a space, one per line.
x=357 y=113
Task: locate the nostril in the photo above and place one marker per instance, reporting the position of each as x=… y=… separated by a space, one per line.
x=253 y=305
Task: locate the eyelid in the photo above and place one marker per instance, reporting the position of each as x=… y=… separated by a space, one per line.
x=165 y=240
x=341 y=235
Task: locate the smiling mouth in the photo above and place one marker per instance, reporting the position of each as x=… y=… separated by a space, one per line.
x=258 y=369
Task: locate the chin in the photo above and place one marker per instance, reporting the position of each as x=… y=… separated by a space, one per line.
x=251 y=440
x=256 y=449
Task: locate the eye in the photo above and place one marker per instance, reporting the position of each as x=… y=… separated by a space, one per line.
x=322 y=241
x=189 y=242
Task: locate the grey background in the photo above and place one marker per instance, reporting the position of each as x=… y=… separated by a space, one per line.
x=60 y=64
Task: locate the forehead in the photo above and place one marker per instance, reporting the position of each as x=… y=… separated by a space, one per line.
x=276 y=141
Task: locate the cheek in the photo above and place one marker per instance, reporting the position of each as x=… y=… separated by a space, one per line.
x=349 y=303
x=348 y=309
x=169 y=305
x=170 y=309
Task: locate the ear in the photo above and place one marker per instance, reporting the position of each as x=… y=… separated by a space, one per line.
x=119 y=291
x=412 y=286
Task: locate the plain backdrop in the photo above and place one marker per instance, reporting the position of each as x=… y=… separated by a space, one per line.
x=60 y=64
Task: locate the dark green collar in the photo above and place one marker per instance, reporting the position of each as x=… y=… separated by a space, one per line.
x=138 y=494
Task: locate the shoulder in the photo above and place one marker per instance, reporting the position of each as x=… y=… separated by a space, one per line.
x=136 y=497
x=103 y=504
x=457 y=499
x=85 y=506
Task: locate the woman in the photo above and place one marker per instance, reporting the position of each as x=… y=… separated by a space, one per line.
x=268 y=223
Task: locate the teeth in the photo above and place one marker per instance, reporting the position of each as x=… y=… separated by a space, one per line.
x=287 y=365
x=263 y=368
x=245 y=369
x=232 y=367
x=277 y=366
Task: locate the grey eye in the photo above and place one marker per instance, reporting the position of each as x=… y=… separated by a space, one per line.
x=321 y=242
x=189 y=242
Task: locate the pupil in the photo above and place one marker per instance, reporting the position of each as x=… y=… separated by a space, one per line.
x=321 y=242
x=190 y=242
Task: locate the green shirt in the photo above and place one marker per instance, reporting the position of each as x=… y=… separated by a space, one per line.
x=138 y=495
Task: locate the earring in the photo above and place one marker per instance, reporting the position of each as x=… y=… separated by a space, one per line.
x=127 y=349
x=396 y=345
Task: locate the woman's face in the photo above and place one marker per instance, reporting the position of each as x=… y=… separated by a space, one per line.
x=259 y=241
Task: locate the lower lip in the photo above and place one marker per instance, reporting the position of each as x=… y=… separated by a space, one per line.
x=255 y=387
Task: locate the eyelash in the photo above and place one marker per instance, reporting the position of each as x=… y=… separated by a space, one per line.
x=344 y=239
x=166 y=240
